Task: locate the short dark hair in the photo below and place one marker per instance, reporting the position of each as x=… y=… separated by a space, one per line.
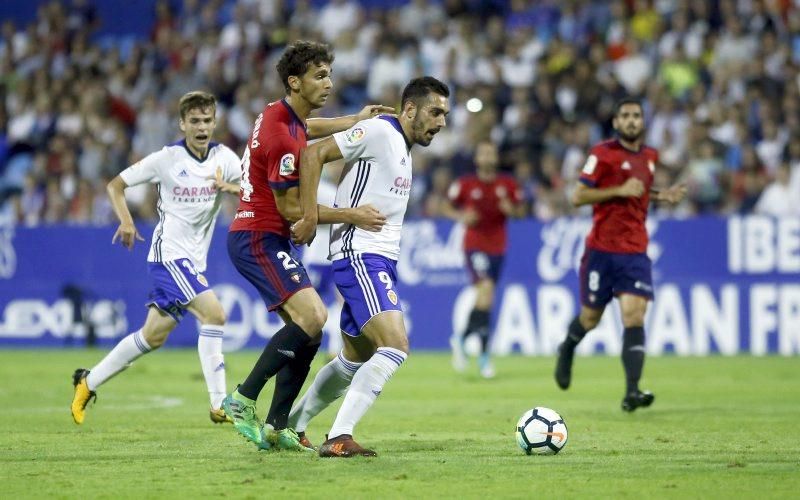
x=196 y=99
x=627 y=100
x=420 y=88
x=299 y=56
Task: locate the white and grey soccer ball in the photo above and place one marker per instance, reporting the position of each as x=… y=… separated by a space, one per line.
x=541 y=431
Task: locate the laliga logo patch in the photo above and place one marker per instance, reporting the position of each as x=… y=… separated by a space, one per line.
x=355 y=135
x=202 y=279
x=392 y=296
x=287 y=164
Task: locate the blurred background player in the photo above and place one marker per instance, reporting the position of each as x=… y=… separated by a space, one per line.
x=259 y=245
x=617 y=180
x=483 y=202
x=191 y=175
x=377 y=170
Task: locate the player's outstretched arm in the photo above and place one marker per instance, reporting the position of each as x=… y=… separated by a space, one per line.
x=673 y=195
x=321 y=127
x=126 y=232
x=585 y=195
x=221 y=185
x=467 y=217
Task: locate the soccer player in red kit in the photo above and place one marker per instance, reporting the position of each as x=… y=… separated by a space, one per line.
x=259 y=239
x=617 y=180
x=483 y=202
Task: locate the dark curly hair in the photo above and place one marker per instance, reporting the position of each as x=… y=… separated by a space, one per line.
x=299 y=56
x=419 y=88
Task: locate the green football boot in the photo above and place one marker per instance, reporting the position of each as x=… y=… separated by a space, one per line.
x=286 y=439
x=245 y=421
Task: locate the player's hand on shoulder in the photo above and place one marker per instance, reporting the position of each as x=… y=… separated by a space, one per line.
x=303 y=231
x=373 y=110
x=127 y=234
x=632 y=188
x=368 y=218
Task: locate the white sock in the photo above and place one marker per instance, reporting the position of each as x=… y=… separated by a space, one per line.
x=330 y=383
x=120 y=358
x=367 y=385
x=209 y=347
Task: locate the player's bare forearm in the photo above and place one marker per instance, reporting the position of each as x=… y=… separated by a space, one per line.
x=126 y=232
x=116 y=194
x=365 y=217
x=230 y=187
x=311 y=161
x=588 y=196
x=288 y=203
x=449 y=211
x=328 y=215
x=321 y=127
x=673 y=194
x=585 y=195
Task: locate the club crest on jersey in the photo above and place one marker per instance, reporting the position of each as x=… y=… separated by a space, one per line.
x=287 y=164
x=202 y=279
x=392 y=296
x=355 y=135
x=295 y=277
x=476 y=194
x=626 y=165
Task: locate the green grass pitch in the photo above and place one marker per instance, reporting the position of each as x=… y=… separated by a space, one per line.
x=720 y=427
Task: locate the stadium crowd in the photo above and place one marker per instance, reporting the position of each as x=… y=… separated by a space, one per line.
x=720 y=81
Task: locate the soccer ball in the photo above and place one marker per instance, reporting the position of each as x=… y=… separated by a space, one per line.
x=541 y=431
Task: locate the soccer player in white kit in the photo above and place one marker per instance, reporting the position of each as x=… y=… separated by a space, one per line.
x=378 y=172
x=191 y=175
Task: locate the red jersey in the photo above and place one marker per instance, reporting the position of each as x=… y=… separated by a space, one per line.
x=488 y=234
x=270 y=162
x=619 y=223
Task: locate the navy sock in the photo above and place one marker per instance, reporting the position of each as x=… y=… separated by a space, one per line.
x=281 y=349
x=575 y=333
x=633 y=356
x=479 y=324
x=288 y=383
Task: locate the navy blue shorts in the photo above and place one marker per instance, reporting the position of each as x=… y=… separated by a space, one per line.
x=269 y=262
x=175 y=284
x=605 y=275
x=368 y=283
x=482 y=265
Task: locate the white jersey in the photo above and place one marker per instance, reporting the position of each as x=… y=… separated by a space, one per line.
x=188 y=202
x=317 y=251
x=378 y=172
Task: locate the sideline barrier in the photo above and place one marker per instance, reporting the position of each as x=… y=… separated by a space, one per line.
x=726 y=286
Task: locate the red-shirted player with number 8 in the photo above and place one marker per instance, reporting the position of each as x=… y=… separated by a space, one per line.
x=617 y=180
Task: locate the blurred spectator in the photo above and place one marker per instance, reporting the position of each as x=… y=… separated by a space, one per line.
x=778 y=198
x=719 y=82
